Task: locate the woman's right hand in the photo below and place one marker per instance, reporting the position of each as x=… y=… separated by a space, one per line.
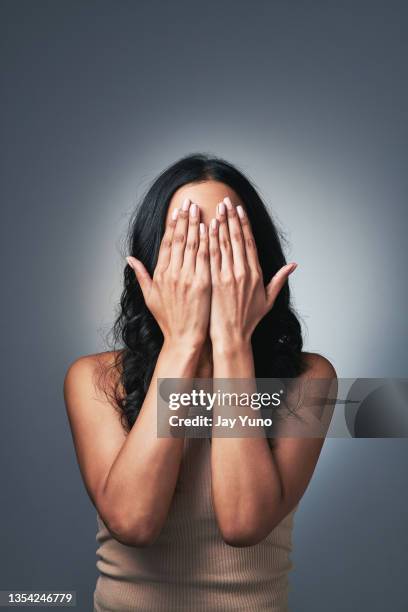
x=179 y=294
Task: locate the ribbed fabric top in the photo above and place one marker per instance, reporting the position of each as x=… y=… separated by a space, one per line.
x=189 y=566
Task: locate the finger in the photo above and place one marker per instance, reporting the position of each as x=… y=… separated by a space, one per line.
x=276 y=283
x=249 y=241
x=224 y=239
x=142 y=275
x=193 y=238
x=214 y=248
x=180 y=236
x=163 y=258
x=236 y=236
x=202 y=267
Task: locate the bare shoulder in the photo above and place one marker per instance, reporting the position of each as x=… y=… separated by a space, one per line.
x=86 y=370
x=318 y=366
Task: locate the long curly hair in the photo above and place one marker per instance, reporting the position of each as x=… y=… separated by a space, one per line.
x=277 y=340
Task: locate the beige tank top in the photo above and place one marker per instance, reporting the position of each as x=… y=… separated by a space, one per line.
x=189 y=566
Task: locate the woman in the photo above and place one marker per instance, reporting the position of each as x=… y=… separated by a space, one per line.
x=193 y=523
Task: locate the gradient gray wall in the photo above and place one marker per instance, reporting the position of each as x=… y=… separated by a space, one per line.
x=310 y=100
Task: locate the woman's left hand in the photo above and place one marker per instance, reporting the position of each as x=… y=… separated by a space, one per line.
x=239 y=298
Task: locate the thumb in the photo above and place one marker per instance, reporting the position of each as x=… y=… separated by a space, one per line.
x=142 y=275
x=276 y=283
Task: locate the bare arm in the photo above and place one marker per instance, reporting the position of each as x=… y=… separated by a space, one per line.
x=124 y=473
x=253 y=486
x=131 y=478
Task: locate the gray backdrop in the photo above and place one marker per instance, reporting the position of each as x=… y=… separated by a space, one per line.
x=310 y=100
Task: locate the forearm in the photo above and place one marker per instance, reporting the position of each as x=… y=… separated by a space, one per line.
x=140 y=485
x=245 y=478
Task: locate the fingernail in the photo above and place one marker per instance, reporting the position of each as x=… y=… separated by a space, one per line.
x=130 y=262
x=241 y=212
x=228 y=202
x=202 y=229
x=213 y=224
x=193 y=210
x=221 y=208
x=293 y=266
x=186 y=204
x=175 y=213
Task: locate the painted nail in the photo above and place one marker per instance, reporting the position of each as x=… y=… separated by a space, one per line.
x=193 y=210
x=202 y=229
x=228 y=202
x=186 y=204
x=221 y=208
x=175 y=214
x=241 y=212
x=213 y=224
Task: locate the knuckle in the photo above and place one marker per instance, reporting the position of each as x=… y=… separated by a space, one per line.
x=236 y=235
x=186 y=282
x=214 y=252
x=227 y=279
x=202 y=255
x=158 y=275
x=203 y=283
x=174 y=278
x=179 y=238
x=225 y=243
x=256 y=277
x=240 y=276
x=249 y=242
x=191 y=245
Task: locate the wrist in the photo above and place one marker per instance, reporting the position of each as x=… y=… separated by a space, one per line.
x=190 y=346
x=233 y=359
x=179 y=358
x=229 y=347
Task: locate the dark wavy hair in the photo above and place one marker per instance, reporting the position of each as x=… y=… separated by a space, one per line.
x=277 y=340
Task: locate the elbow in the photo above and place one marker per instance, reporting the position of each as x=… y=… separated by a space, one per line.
x=244 y=535
x=140 y=533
